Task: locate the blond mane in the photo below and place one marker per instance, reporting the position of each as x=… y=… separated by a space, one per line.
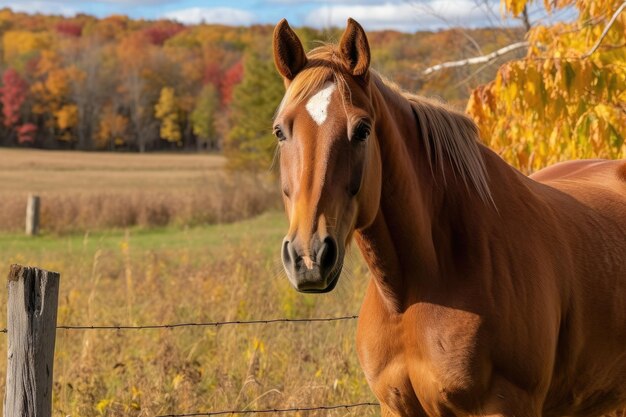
x=447 y=135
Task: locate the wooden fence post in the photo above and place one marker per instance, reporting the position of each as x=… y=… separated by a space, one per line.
x=31 y=329
x=32 y=215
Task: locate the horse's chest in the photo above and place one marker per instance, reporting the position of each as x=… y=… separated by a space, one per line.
x=424 y=364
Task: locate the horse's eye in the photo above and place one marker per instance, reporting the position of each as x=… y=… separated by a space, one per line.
x=362 y=132
x=279 y=134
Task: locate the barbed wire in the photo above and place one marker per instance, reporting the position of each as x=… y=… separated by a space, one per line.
x=201 y=324
x=273 y=410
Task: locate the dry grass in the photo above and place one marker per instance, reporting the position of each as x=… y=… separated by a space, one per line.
x=220 y=272
x=85 y=191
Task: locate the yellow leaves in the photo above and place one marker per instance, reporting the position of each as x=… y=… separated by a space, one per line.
x=610 y=125
x=167 y=110
x=514 y=6
x=57 y=84
x=111 y=129
x=555 y=105
x=17 y=43
x=67 y=116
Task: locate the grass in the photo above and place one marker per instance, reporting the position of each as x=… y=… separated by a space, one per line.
x=84 y=191
x=203 y=273
x=196 y=239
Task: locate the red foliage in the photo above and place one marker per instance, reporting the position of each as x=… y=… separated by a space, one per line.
x=26 y=133
x=161 y=31
x=69 y=28
x=12 y=95
x=212 y=74
x=232 y=77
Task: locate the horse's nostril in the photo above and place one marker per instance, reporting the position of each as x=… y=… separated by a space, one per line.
x=288 y=253
x=327 y=256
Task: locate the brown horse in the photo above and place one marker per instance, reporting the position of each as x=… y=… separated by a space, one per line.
x=492 y=293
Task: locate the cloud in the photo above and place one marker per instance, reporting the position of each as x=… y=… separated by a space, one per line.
x=405 y=16
x=223 y=15
x=44 y=7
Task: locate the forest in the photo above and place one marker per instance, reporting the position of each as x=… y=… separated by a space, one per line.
x=123 y=84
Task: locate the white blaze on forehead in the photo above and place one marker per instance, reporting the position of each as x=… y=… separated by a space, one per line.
x=317 y=106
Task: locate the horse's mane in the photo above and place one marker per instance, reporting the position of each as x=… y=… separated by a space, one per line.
x=447 y=135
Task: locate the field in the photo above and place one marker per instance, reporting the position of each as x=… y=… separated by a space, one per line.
x=88 y=191
x=178 y=273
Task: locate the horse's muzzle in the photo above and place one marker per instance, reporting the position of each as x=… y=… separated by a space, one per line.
x=317 y=273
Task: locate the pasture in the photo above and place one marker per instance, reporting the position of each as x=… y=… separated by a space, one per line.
x=86 y=190
x=173 y=274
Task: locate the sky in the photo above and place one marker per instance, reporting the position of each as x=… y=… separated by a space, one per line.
x=402 y=15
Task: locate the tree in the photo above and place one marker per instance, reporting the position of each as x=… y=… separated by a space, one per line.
x=134 y=53
x=13 y=93
x=166 y=110
x=250 y=143
x=26 y=133
x=111 y=132
x=232 y=77
x=567 y=98
x=203 y=117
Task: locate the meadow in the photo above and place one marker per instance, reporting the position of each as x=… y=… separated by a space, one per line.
x=93 y=190
x=177 y=273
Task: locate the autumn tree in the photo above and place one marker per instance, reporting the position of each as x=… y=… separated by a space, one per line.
x=26 y=133
x=112 y=129
x=166 y=110
x=203 y=117
x=134 y=54
x=250 y=143
x=91 y=90
x=12 y=95
x=232 y=77
x=567 y=98
x=52 y=96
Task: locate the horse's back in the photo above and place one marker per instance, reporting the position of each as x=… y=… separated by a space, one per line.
x=601 y=171
x=590 y=197
x=598 y=184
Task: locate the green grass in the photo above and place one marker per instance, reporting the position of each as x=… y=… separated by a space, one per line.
x=269 y=226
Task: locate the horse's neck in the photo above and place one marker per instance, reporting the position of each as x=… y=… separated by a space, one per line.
x=419 y=218
x=399 y=240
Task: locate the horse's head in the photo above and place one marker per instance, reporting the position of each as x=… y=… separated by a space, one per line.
x=329 y=155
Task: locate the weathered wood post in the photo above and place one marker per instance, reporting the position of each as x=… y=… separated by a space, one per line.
x=32 y=215
x=31 y=329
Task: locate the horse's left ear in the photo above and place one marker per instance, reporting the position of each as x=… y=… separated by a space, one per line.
x=355 y=49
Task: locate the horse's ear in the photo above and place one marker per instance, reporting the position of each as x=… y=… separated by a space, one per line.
x=355 y=49
x=289 y=55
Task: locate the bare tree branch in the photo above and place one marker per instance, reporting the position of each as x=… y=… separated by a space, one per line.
x=605 y=31
x=517 y=45
x=476 y=60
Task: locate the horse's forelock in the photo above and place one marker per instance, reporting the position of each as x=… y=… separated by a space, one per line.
x=324 y=65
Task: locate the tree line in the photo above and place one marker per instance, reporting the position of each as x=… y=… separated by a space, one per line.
x=136 y=85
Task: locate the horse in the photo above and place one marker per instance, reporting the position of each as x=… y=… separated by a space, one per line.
x=491 y=293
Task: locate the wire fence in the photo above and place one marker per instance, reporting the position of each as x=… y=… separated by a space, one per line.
x=231 y=323
x=273 y=410
x=201 y=324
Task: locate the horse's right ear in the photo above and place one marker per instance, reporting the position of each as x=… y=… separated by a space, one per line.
x=289 y=55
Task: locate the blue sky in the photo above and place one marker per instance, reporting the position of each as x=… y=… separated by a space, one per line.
x=403 y=15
